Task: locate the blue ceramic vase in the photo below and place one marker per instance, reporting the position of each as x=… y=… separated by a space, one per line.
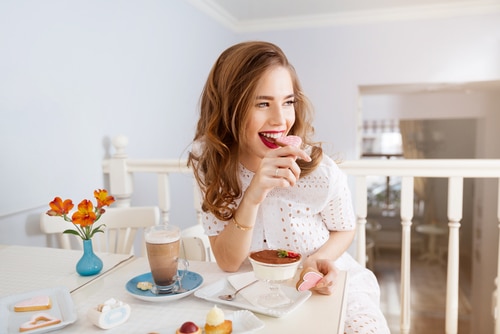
x=89 y=264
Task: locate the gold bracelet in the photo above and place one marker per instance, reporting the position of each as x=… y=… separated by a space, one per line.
x=241 y=227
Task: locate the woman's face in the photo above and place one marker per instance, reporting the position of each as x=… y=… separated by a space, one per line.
x=271 y=115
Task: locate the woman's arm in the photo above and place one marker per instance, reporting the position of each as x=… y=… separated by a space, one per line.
x=231 y=246
x=323 y=259
x=334 y=247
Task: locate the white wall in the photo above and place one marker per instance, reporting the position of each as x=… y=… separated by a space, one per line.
x=445 y=105
x=74 y=74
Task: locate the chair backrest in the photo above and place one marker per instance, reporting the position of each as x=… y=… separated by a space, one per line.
x=195 y=244
x=122 y=227
x=56 y=225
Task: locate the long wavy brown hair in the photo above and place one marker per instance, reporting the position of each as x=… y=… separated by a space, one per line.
x=225 y=102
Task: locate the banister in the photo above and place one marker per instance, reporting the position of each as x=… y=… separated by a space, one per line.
x=475 y=168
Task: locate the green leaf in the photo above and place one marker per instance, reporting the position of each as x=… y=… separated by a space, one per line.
x=72 y=232
x=98 y=229
x=282 y=253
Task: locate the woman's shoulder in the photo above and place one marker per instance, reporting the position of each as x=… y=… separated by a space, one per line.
x=329 y=168
x=328 y=163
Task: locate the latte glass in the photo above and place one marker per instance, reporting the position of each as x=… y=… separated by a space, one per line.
x=163 y=245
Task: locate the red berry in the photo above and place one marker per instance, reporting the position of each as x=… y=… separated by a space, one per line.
x=188 y=327
x=285 y=253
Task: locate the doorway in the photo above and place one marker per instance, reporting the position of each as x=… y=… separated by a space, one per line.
x=450 y=118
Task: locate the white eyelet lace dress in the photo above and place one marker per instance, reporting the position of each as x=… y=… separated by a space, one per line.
x=299 y=218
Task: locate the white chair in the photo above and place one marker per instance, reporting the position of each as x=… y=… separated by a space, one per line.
x=56 y=225
x=122 y=225
x=195 y=244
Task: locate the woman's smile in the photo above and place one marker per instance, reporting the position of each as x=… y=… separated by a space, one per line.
x=269 y=138
x=271 y=116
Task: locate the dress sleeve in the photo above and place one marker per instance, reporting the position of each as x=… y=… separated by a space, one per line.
x=338 y=214
x=212 y=225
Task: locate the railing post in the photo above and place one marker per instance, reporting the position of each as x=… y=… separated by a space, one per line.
x=455 y=200
x=197 y=201
x=361 y=206
x=406 y=218
x=164 y=197
x=120 y=180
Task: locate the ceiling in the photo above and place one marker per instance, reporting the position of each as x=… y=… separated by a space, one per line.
x=267 y=15
x=253 y=15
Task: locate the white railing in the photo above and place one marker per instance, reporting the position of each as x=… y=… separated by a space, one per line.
x=455 y=171
x=121 y=170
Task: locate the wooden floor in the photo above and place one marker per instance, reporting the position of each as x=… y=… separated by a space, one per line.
x=428 y=293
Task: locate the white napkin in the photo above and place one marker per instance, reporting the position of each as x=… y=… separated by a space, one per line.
x=254 y=291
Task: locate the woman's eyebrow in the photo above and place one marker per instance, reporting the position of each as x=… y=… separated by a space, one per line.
x=265 y=97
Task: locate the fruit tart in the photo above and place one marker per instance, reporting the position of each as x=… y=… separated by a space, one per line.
x=188 y=328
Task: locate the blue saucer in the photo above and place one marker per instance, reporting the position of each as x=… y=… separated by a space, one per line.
x=191 y=282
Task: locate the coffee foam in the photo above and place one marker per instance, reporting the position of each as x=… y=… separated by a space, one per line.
x=161 y=237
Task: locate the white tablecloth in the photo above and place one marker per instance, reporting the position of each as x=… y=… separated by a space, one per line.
x=319 y=314
x=26 y=268
x=30 y=268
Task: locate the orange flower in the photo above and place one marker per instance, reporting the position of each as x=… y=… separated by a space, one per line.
x=102 y=197
x=85 y=216
x=60 y=208
x=83 y=219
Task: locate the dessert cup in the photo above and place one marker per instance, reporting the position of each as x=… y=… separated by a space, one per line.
x=274 y=274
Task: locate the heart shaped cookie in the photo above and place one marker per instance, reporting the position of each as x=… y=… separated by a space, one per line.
x=39 y=320
x=289 y=141
x=308 y=279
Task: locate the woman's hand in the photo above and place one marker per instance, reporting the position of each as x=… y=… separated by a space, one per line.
x=326 y=285
x=278 y=168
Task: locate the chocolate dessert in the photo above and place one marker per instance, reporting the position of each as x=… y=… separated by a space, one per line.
x=274 y=256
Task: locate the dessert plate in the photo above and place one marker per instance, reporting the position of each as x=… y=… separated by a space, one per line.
x=62 y=308
x=191 y=282
x=243 y=322
x=222 y=287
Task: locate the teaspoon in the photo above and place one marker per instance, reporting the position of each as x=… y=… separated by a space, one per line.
x=233 y=295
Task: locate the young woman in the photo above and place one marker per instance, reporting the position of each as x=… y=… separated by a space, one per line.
x=258 y=194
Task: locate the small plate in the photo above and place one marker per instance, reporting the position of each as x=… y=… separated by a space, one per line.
x=243 y=322
x=191 y=282
x=222 y=287
x=62 y=308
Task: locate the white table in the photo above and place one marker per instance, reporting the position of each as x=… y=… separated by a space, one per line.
x=433 y=232
x=319 y=313
x=25 y=268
